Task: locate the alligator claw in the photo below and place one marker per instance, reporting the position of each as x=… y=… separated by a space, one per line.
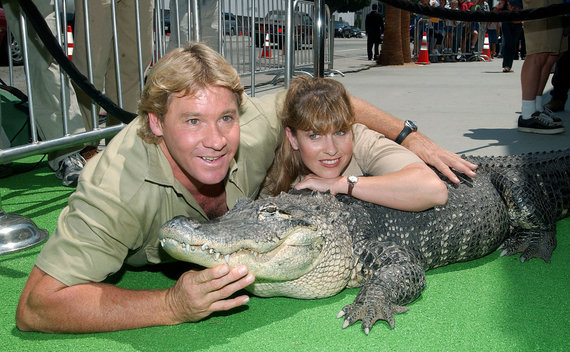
x=369 y=314
x=531 y=243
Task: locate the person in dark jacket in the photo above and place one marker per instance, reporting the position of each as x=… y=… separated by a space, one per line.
x=374 y=25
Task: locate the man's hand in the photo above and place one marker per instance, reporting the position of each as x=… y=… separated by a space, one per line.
x=441 y=159
x=198 y=294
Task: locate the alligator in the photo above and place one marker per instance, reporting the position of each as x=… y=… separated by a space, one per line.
x=313 y=245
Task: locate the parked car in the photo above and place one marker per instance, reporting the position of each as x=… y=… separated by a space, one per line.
x=8 y=44
x=230 y=23
x=274 y=24
x=339 y=27
x=351 y=32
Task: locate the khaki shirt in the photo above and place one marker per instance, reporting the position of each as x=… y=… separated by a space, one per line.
x=375 y=155
x=128 y=191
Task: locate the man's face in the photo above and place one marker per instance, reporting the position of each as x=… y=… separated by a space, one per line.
x=200 y=135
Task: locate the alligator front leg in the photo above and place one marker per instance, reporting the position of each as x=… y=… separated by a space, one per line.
x=395 y=278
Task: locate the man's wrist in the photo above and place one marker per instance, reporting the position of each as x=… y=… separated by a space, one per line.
x=409 y=127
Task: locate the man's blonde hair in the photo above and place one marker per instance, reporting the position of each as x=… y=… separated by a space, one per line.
x=184 y=71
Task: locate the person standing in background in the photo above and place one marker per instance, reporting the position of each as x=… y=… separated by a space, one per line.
x=374 y=26
x=544 y=43
x=46 y=91
x=102 y=53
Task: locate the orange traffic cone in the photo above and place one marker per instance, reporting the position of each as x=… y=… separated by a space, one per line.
x=423 y=57
x=266 y=51
x=486 y=53
x=69 y=43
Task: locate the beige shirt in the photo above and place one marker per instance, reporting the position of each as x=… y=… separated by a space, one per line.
x=128 y=191
x=375 y=155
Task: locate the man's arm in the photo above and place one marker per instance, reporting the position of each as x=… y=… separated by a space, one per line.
x=48 y=305
x=422 y=146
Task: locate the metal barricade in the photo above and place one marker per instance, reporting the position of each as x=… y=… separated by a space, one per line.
x=449 y=40
x=245 y=39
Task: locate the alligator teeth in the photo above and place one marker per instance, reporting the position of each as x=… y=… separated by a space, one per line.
x=192 y=248
x=211 y=251
x=162 y=241
x=217 y=255
x=227 y=258
x=187 y=247
x=205 y=247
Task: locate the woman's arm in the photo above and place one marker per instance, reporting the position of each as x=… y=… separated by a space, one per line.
x=414 y=188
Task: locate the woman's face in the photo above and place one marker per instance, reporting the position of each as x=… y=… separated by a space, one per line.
x=326 y=155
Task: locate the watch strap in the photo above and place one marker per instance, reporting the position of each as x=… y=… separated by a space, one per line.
x=405 y=132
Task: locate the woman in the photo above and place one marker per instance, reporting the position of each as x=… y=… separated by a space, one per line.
x=323 y=146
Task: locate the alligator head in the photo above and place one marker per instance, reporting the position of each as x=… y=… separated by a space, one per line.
x=296 y=246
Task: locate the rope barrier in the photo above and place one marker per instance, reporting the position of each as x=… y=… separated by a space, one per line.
x=481 y=16
x=50 y=42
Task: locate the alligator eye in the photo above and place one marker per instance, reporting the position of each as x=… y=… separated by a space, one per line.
x=268 y=208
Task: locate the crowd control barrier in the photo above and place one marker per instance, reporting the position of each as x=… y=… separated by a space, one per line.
x=267 y=42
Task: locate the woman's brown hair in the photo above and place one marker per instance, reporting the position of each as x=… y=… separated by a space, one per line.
x=320 y=105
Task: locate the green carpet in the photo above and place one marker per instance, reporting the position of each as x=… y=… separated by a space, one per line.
x=491 y=304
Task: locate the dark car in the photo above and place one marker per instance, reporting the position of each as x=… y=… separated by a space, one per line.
x=230 y=24
x=274 y=26
x=351 y=32
x=339 y=27
x=8 y=44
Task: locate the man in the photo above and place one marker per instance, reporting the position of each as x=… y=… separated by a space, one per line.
x=374 y=26
x=178 y=157
x=544 y=43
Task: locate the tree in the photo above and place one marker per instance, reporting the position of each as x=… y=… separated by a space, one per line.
x=396 y=44
x=347 y=5
x=405 y=33
x=391 y=53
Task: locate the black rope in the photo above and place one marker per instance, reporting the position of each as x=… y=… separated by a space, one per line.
x=52 y=45
x=481 y=16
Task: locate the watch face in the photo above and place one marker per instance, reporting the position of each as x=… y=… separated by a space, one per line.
x=352 y=179
x=412 y=125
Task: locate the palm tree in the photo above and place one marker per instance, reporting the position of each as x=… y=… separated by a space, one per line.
x=405 y=34
x=391 y=53
x=396 y=44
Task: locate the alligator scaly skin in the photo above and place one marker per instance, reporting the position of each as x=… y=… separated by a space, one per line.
x=314 y=245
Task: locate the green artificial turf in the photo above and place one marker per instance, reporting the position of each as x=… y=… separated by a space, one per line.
x=490 y=304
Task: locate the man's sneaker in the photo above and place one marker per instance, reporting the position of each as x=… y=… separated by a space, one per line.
x=557 y=120
x=540 y=123
x=69 y=169
x=555 y=105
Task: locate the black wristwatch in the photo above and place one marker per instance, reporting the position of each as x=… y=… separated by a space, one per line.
x=409 y=127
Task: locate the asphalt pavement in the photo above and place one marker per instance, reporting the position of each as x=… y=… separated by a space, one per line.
x=465 y=107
